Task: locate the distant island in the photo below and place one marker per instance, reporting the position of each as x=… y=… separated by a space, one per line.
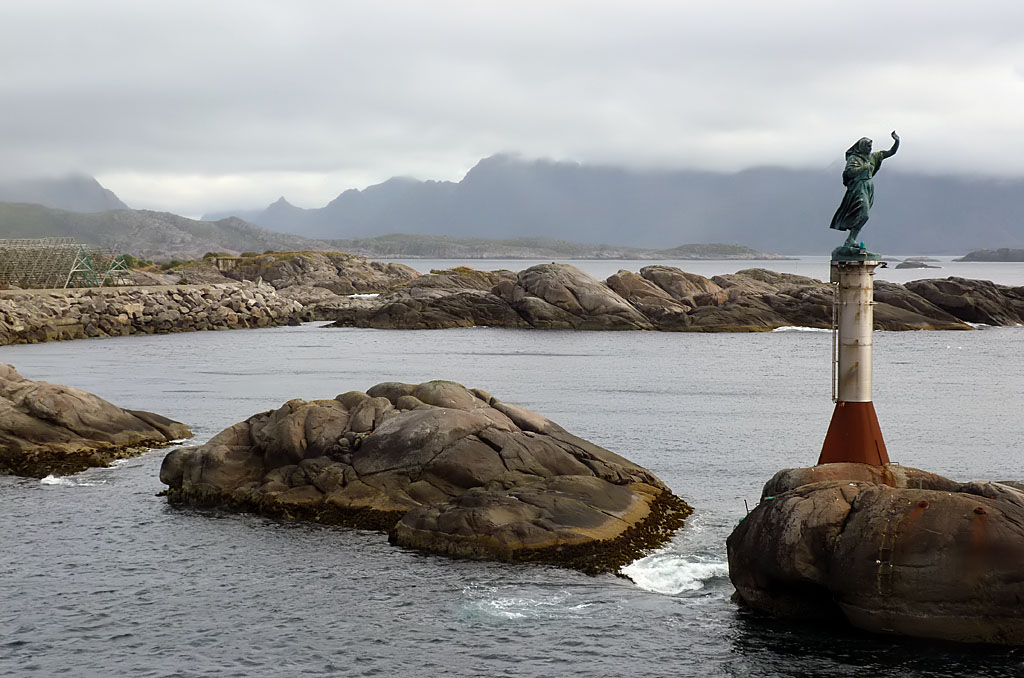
x=410 y=246
x=1001 y=254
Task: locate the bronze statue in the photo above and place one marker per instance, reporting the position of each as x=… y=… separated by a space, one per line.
x=861 y=166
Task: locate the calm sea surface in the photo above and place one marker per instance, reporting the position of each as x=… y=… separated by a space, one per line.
x=1008 y=273
x=99 y=577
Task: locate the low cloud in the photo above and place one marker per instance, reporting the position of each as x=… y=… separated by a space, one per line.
x=196 y=106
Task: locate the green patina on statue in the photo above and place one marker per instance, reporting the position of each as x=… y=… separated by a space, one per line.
x=861 y=167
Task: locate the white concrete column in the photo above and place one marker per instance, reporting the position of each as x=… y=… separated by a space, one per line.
x=856 y=321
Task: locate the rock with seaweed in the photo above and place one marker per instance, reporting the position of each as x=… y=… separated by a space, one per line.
x=48 y=429
x=889 y=549
x=441 y=468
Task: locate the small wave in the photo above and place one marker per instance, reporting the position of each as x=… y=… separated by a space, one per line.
x=979 y=326
x=799 y=328
x=70 y=481
x=672 y=574
x=552 y=606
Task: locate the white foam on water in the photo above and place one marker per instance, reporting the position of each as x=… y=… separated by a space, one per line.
x=363 y=296
x=799 y=328
x=672 y=574
x=70 y=481
x=488 y=604
x=979 y=326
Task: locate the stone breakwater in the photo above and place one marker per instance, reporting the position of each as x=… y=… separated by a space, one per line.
x=32 y=316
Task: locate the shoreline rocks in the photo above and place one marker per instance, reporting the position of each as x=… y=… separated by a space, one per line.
x=441 y=468
x=48 y=429
x=320 y=281
x=665 y=298
x=33 y=316
x=548 y=296
x=890 y=549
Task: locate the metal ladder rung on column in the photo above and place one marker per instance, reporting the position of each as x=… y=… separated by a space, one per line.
x=835 y=342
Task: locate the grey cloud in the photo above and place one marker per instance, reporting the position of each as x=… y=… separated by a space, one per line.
x=178 y=94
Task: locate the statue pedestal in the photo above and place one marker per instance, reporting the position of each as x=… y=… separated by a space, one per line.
x=854 y=434
x=847 y=253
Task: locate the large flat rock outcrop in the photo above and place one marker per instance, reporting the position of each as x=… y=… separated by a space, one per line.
x=889 y=549
x=337 y=272
x=51 y=429
x=441 y=468
x=976 y=301
x=459 y=297
x=560 y=296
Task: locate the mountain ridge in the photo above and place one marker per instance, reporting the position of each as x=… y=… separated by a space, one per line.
x=145 y=233
x=769 y=208
x=73 y=192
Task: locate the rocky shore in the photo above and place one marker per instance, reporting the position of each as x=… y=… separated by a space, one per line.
x=560 y=296
x=888 y=549
x=32 y=316
x=51 y=429
x=321 y=281
x=441 y=468
x=304 y=286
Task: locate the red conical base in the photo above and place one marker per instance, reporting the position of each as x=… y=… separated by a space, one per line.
x=854 y=436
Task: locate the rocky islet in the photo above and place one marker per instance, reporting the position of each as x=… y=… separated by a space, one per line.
x=49 y=429
x=890 y=549
x=441 y=468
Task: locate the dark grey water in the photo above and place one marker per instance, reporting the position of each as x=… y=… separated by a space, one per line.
x=99 y=577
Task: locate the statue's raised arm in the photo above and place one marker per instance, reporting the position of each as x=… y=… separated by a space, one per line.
x=895 y=146
x=858 y=175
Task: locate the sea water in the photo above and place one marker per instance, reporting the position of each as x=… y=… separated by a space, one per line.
x=100 y=577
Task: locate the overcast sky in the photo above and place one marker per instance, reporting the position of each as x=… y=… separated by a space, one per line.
x=193 y=106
